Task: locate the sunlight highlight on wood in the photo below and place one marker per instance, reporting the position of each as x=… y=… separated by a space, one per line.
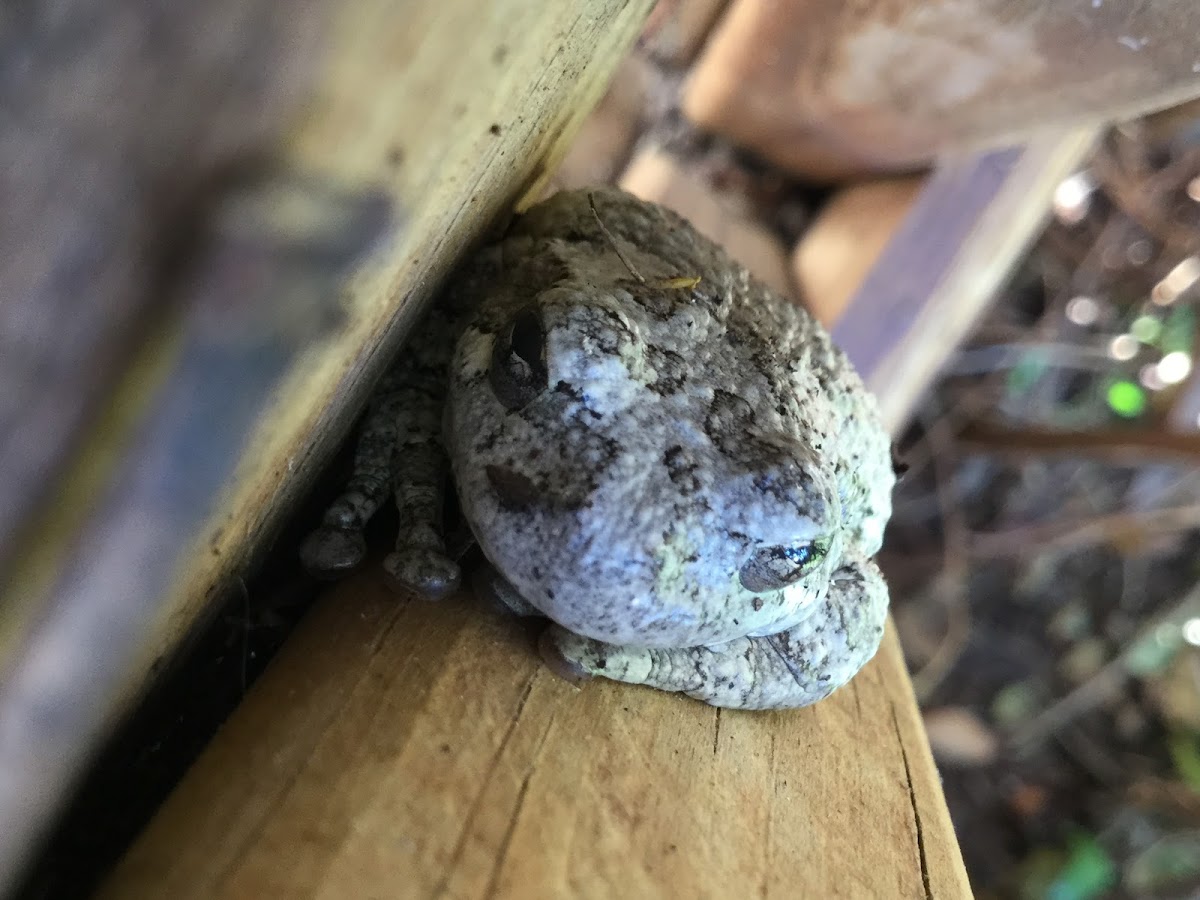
x=412 y=749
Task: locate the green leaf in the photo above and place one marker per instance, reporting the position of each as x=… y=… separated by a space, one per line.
x=1126 y=399
x=1184 y=748
x=1089 y=871
x=1025 y=374
x=1179 y=330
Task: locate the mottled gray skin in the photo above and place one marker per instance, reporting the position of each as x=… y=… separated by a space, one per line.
x=686 y=477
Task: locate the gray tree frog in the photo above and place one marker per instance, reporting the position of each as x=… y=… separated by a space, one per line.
x=669 y=461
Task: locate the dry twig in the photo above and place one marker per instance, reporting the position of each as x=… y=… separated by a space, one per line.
x=1110 y=678
x=1120 y=446
x=950 y=586
x=1128 y=528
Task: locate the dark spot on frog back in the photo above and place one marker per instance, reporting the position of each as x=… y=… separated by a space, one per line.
x=514 y=490
x=561 y=475
x=681 y=469
x=728 y=420
x=671 y=371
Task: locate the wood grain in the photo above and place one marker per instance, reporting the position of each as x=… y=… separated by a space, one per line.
x=407 y=749
x=460 y=114
x=844 y=241
x=950 y=255
x=131 y=113
x=397 y=748
x=829 y=90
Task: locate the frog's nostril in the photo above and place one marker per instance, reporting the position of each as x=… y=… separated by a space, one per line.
x=683 y=470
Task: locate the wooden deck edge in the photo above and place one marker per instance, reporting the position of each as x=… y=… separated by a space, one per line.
x=396 y=737
x=452 y=113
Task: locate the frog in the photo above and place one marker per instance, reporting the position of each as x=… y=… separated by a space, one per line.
x=654 y=451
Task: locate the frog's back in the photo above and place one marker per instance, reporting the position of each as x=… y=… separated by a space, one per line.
x=771 y=346
x=810 y=373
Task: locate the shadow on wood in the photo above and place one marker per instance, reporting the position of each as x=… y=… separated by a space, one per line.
x=412 y=749
x=126 y=117
x=402 y=748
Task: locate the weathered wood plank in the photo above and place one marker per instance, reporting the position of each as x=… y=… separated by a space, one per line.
x=971 y=222
x=406 y=748
x=417 y=750
x=410 y=749
x=831 y=90
x=117 y=126
x=452 y=110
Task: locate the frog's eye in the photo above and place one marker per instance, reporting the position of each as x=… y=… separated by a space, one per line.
x=518 y=372
x=773 y=568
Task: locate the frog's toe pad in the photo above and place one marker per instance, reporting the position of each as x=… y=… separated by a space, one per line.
x=495 y=590
x=427 y=573
x=330 y=552
x=555 y=645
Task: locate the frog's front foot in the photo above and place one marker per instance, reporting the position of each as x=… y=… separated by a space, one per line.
x=423 y=571
x=496 y=590
x=330 y=551
x=796 y=667
x=569 y=656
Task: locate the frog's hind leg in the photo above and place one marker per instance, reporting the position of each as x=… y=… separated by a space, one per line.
x=495 y=589
x=793 y=668
x=338 y=545
x=420 y=563
x=398 y=453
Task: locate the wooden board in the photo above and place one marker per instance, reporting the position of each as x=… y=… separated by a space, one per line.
x=450 y=109
x=830 y=90
x=974 y=218
x=407 y=749
x=119 y=127
x=460 y=116
x=401 y=748
x=845 y=240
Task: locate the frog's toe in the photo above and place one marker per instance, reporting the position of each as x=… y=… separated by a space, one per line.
x=329 y=552
x=578 y=658
x=793 y=668
x=427 y=573
x=495 y=589
x=561 y=657
x=746 y=673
